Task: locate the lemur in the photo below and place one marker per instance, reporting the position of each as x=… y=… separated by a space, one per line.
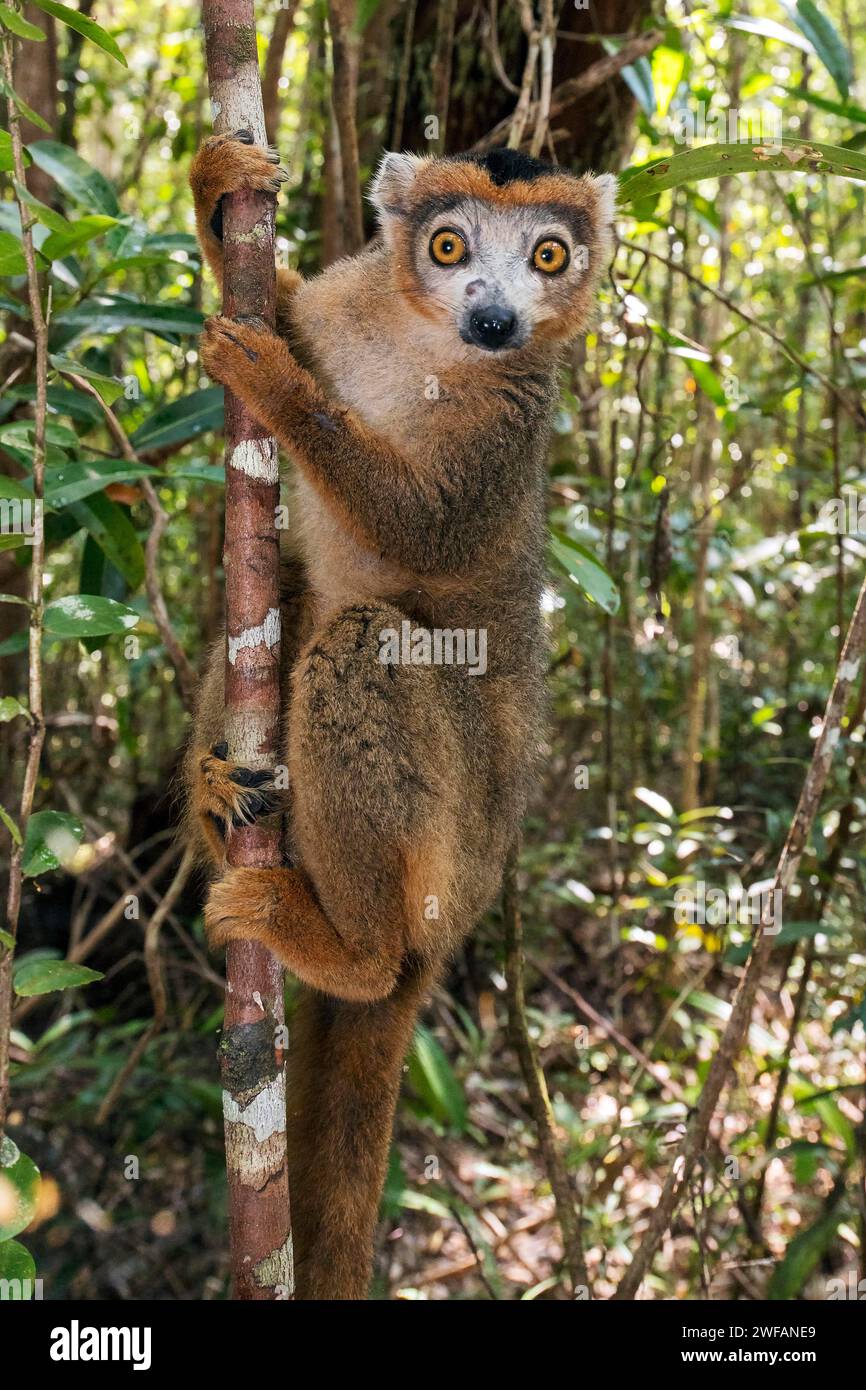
x=412 y=386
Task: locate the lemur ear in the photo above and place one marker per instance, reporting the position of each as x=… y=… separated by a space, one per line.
x=391 y=183
x=606 y=188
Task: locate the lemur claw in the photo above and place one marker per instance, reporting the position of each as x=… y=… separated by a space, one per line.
x=234 y=795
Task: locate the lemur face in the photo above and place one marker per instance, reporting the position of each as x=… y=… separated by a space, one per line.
x=499 y=249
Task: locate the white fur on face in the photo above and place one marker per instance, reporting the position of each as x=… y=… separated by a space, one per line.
x=498 y=267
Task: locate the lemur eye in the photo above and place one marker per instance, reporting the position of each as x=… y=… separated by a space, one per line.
x=550 y=255
x=447 y=247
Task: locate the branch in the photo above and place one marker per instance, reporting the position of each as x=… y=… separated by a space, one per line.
x=574 y=88
x=36 y=737
x=156 y=982
x=695 y=1138
x=252 y=1048
x=533 y=1075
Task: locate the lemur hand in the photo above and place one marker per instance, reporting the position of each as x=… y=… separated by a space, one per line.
x=232 y=350
x=226 y=164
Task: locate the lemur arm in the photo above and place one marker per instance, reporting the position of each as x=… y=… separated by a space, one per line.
x=424 y=519
x=225 y=164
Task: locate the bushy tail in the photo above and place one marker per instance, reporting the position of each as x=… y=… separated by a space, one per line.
x=345 y=1065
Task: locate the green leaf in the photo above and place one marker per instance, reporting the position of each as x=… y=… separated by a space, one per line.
x=668 y=65
x=10 y=824
x=113 y=532
x=655 y=801
x=19 y=1185
x=715 y=161
x=17 y=1272
x=181 y=420
x=82 y=477
x=199 y=470
x=767 y=29
x=6 y=158
x=825 y=40
x=10 y=708
x=59 y=244
x=638 y=77
x=75 y=176
x=21 y=105
x=585 y=571
x=13 y=21
x=7 y=940
x=432 y=1077
x=88 y=27
x=846 y=109
x=55 y=220
x=50 y=840
x=111 y=313
x=14 y=488
x=43 y=976
x=12 y=260
x=801 y=1257
x=88 y=615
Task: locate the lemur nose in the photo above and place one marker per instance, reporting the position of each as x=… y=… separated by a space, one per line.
x=492 y=327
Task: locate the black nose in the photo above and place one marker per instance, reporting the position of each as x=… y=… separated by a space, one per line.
x=492 y=327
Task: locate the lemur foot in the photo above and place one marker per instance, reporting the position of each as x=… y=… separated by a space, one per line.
x=231 y=795
x=238 y=903
x=228 y=163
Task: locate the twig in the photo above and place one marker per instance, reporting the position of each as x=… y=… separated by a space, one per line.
x=36 y=735
x=155 y=980
x=109 y=920
x=574 y=88
x=731 y=1041
x=533 y=1075
x=547 y=46
x=520 y=115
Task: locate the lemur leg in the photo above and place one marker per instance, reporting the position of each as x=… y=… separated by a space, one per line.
x=372 y=758
x=371 y=763
x=226 y=164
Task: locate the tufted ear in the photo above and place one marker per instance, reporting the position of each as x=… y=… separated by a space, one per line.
x=392 y=184
x=606 y=187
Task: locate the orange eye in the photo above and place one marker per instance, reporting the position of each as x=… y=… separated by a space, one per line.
x=550 y=256
x=447 y=247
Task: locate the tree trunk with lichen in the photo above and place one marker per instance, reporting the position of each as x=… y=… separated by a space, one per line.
x=252 y=1049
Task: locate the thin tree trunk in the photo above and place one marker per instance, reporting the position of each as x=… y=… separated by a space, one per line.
x=274 y=57
x=36 y=733
x=694 y=1141
x=442 y=56
x=346 y=53
x=252 y=1049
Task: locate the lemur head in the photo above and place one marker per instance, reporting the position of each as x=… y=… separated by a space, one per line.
x=499 y=247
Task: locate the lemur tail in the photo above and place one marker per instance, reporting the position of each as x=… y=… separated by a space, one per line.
x=345 y=1064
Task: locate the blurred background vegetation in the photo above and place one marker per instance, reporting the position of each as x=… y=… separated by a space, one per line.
x=697 y=603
